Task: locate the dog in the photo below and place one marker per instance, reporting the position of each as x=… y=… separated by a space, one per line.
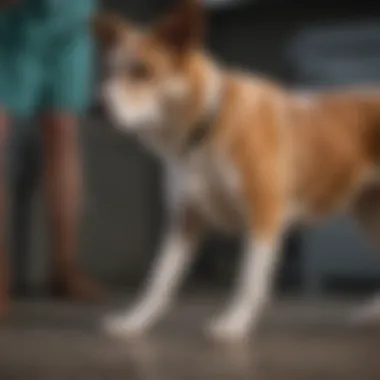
x=241 y=152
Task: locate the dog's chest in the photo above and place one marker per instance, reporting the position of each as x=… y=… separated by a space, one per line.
x=211 y=184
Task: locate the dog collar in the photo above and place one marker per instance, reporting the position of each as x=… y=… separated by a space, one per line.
x=202 y=129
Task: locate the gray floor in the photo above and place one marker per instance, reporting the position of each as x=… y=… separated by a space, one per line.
x=298 y=340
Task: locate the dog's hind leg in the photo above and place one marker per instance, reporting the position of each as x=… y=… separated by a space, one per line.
x=368 y=313
x=366 y=212
x=252 y=291
x=254 y=282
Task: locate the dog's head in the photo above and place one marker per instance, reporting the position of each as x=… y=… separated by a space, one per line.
x=145 y=70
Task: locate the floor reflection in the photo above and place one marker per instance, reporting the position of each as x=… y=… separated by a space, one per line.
x=297 y=341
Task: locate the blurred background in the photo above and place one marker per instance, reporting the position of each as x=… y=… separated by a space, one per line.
x=305 y=45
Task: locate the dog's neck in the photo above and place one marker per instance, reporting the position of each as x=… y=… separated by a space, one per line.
x=188 y=123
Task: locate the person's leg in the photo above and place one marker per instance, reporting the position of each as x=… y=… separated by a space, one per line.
x=19 y=78
x=25 y=152
x=4 y=127
x=69 y=88
x=4 y=270
x=62 y=182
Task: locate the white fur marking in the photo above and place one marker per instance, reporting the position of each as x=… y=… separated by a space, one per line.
x=168 y=271
x=251 y=293
x=129 y=113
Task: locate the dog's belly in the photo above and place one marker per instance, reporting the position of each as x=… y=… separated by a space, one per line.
x=212 y=187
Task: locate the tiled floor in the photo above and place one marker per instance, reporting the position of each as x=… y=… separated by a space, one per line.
x=297 y=341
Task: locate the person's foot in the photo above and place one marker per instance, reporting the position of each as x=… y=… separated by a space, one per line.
x=4 y=309
x=4 y=294
x=76 y=286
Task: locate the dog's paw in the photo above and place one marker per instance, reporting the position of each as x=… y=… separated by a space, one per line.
x=227 y=330
x=368 y=313
x=125 y=326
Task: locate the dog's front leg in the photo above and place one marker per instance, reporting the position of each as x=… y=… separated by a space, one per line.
x=252 y=290
x=263 y=187
x=175 y=256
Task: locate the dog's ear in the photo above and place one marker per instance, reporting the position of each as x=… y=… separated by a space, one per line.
x=183 y=28
x=108 y=28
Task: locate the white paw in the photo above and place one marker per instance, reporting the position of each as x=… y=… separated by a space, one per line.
x=136 y=321
x=368 y=313
x=233 y=330
x=125 y=325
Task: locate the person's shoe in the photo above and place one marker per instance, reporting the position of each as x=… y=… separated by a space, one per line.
x=4 y=309
x=78 y=287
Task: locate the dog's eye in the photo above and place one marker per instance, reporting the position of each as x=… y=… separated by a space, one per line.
x=140 y=71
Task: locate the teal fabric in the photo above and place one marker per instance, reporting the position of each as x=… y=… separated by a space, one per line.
x=46 y=56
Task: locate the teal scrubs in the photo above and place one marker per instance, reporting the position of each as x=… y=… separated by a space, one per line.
x=46 y=56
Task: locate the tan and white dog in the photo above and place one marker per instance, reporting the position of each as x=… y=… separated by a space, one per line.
x=241 y=153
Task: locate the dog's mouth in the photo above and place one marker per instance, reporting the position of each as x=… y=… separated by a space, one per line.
x=114 y=117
